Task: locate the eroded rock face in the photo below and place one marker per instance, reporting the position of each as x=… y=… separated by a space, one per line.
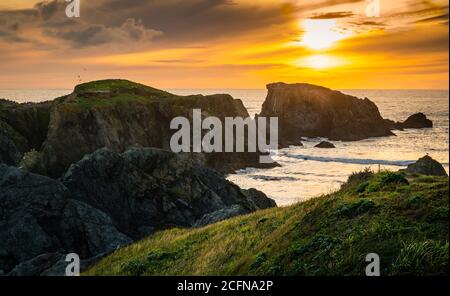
x=418 y=120
x=146 y=189
x=306 y=110
x=38 y=217
x=415 y=121
x=119 y=114
x=427 y=166
x=22 y=127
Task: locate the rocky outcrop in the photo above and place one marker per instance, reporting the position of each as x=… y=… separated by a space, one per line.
x=106 y=201
x=415 y=121
x=306 y=110
x=427 y=166
x=37 y=216
x=418 y=120
x=325 y=145
x=118 y=114
x=23 y=127
x=147 y=189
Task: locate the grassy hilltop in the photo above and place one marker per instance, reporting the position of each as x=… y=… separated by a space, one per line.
x=403 y=218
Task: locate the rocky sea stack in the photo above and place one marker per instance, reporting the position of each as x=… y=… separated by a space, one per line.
x=306 y=110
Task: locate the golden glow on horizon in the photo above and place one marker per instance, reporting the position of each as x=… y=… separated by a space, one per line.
x=316 y=44
x=321 y=34
x=320 y=61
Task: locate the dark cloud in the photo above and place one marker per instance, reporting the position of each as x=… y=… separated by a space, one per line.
x=104 y=21
x=332 y=15
x=443 y=18
x=194 y=20
x=84 y=35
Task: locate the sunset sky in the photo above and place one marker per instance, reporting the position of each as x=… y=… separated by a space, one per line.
x=225 y=43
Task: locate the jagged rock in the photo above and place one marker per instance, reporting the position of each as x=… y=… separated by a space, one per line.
x=118 y=114
x=10 y=153
x=37 y=265
x=220 y=215
x=418 y=120
x=427 y=166
x=37 y=217
x=306 y=110
x=22 y=127
x=145 y=189
x=325 y=145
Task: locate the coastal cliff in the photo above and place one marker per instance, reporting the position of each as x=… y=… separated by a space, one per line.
x=23 y=127
x=118 y=114
x=306 y=110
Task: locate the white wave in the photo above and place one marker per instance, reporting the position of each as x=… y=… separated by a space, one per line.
x=400 y=163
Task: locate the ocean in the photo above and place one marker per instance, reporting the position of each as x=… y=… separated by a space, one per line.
x=307 y=172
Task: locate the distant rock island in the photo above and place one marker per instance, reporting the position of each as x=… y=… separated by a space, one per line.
x=306 y=110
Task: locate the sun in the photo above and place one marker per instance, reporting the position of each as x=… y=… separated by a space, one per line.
x=321 y=34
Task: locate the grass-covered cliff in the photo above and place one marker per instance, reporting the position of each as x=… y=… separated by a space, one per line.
x=119 y=114
x=403 y=218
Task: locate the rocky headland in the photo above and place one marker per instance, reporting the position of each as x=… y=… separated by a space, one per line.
x=306 y=110
x=116 y=114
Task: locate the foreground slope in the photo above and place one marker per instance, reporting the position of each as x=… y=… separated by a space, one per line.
x=402 y=217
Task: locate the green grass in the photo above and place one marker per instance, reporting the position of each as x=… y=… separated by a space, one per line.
x=405 y=222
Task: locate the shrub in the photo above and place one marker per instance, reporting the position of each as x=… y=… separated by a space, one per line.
x=357 y=208
x=414 y=201
x=31 y=161
x=359 y=177
x=439 y=214
x=385 y=179
x=260 y=259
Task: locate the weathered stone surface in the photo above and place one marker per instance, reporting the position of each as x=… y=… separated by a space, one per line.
x=145 y=189
x=38 y=217
x=418 y=120
x=220 y=215
x=22 y=127
x=119 y=114
x=306 y=110
x=427 y=166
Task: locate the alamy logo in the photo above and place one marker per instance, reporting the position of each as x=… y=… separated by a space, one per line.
x=208 y=135
x=373 y=8
x=73 y=8
x=73 y=268
x=373 y=268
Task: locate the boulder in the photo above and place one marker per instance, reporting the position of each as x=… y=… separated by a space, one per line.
x=418 y=120
x=427 y=166
x=38 y=217
x=306 y=110
x=146 y=189
x=325 y=145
